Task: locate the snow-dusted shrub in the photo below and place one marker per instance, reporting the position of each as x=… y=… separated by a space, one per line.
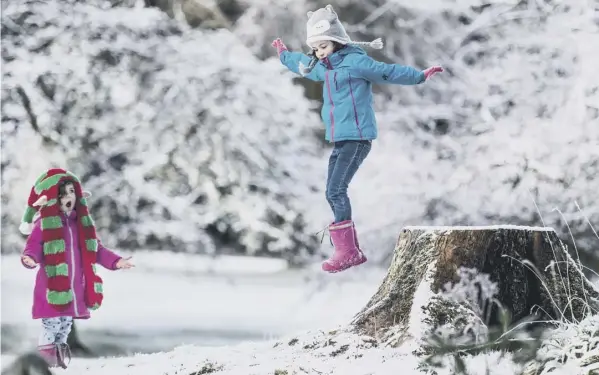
x=186 y=140
x=570 y=348
x=511 y=124
x=560 y=346
x=450 y=345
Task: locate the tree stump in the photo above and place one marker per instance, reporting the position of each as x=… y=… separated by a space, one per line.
x=426 y=258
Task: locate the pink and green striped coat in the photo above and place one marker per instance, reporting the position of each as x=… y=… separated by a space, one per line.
x=56 y=239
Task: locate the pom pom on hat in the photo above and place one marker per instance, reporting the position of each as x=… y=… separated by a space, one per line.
x=376 y=44
x=26 y=228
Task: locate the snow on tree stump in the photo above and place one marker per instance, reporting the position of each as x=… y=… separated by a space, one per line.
x=408 y=302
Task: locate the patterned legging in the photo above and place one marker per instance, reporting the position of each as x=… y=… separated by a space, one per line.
x=55 y=330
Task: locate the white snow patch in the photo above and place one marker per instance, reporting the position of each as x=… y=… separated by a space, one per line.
x=478 y=227
x=422 y=296
x=341 y=353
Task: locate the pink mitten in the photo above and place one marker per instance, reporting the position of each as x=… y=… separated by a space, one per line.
x=429 y=72
x=279 y=45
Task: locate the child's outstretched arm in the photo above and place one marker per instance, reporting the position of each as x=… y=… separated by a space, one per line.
x=379 y=72
x=32 y=254
x=109 y=260
x=292 y=61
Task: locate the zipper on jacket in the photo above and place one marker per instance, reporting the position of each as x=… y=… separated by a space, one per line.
x=332 y=106
x=72 y=266
x=353 y=100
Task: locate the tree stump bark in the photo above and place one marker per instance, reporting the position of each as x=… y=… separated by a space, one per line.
x=426 y=258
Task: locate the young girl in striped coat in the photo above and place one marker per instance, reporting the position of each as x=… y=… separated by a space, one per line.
x=63 y=242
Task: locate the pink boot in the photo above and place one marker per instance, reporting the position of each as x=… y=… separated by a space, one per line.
x=49 y=353
x=346 y=253
x=64 y=352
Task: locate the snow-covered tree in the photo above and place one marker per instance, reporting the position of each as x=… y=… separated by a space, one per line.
x=186 y=140
x=507 y=132
x=510 y=128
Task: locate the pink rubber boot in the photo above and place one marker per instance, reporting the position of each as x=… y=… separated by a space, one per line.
x=64 y=353
x=346 y=253
x=49 y=353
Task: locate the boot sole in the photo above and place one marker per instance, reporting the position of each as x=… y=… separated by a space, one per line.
x=347 y=265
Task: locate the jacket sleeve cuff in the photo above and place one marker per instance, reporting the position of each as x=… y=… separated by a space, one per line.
x=113 y=266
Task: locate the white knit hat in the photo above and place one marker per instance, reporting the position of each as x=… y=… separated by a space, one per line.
x=324 y=24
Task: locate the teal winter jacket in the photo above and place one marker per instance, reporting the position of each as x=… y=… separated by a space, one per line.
x=348 y=75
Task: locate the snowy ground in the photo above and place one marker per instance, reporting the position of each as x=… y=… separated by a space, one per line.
x=266 y=358
x=309 y=352
x=175 y=299
x=234 y=316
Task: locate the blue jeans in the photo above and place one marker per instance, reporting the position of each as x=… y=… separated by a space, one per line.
x=346 y=158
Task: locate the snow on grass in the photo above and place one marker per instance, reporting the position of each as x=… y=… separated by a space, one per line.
x=312 y=352
x=572 y=349
x=478 y=227
x=251 y=358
